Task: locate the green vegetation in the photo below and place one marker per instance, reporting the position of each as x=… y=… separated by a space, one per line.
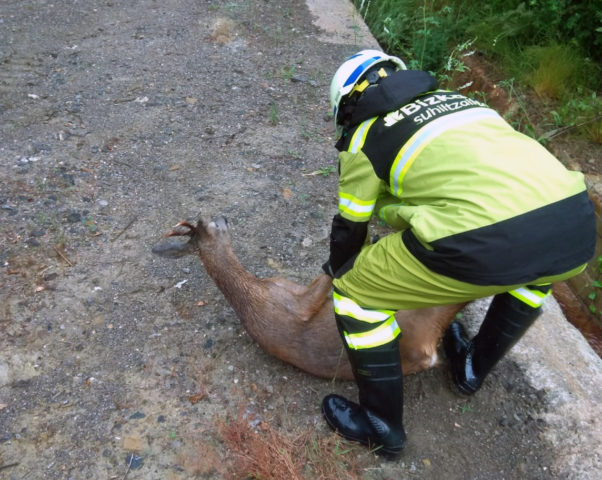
x=287 y=72
x=593 y=296
x=274 y=116
x=325 y=171
x=550 y=47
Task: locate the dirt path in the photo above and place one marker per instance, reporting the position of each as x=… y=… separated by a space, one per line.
x=117 y=120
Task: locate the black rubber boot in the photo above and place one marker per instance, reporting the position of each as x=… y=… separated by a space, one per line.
x=377 y=420
x=505 y=323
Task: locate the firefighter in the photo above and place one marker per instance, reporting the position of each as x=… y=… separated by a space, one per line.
x=478 y=210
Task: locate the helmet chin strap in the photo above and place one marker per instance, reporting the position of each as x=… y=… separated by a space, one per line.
x=372 y=77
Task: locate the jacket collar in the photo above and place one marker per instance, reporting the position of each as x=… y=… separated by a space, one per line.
x=389 y=94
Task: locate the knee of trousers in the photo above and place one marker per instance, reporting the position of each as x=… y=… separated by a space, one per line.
x=527 y=299
x=363 y=328
x=518 y=307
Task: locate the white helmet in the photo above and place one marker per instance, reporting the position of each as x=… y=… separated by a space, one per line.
x=351 y=71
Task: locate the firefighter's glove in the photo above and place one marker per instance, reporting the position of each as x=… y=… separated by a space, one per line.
x=328 y=269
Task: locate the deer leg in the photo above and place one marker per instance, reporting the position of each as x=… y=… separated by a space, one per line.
x=316 y=293
x=421 y=331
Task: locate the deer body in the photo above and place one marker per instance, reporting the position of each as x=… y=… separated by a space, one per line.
x=293 y=322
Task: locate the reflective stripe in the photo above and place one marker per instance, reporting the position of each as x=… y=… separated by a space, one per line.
x=356 y=207
x=533 y=298
x=412 y=148
x=359 y=137
x=346 y=306
x=385 y=333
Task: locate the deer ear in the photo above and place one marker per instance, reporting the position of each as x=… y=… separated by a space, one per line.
x=201 y=223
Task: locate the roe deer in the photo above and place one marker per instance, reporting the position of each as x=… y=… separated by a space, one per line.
x=295 y=323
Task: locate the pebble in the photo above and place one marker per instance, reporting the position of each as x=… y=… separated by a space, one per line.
x=134 y=461
x=69 y=178
x=296 y=78
x=74 y=217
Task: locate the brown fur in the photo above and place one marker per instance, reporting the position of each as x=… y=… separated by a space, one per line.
x=295 y=323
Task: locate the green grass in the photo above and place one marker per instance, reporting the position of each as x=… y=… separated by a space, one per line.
x=551 y=47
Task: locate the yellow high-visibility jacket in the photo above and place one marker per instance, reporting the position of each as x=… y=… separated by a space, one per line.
x=476 y=200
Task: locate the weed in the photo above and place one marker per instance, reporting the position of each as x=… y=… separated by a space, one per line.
x=294 y=154
x=579 y=111
x=356 y=34
x=60 y=239
x=554 y=69
x=455 y=63
x=274 y=118
x=592 y=306
x=89 y=224
x=595 y=285
x=287 y=72
x=593 y=129
x=309 y=135
x=523 y=121
x=277 y=35
x=324 y=171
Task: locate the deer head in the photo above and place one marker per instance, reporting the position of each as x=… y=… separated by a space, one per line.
x=203 y=236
